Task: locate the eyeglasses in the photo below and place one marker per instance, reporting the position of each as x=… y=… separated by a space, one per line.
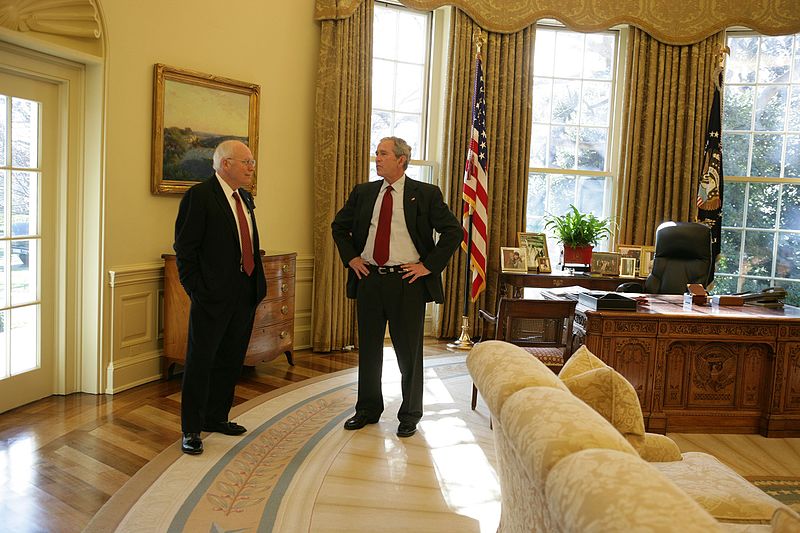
x=246 y=162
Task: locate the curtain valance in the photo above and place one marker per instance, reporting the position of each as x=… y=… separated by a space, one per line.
x=670 y=21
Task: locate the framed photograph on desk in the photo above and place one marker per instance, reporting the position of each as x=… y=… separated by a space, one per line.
x=605 y=263
x=646 y=260
x=535 y=246
x=632 y=251
x=513 y=260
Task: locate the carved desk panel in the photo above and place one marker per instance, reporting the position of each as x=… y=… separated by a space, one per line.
x=704 y=369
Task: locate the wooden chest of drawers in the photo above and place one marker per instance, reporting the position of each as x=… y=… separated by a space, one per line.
x=273 y=328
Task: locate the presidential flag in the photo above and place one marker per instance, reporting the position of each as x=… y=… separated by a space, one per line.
x=709 y=194
x=475 y=193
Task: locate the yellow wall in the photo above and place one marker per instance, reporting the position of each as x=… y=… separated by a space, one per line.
x=271 y=43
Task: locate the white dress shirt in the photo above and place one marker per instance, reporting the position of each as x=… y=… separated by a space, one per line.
x=401 y=247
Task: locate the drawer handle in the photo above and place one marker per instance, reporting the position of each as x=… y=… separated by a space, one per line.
x=284 y=309
x=285 y=268
x=284 y=287
x=284 y=334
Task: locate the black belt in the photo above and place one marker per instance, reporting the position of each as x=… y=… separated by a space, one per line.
x=396 y=269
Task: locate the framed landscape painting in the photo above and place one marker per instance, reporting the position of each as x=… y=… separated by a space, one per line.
x=192 y=113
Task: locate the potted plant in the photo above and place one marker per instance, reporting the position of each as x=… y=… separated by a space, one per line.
x=578 y=233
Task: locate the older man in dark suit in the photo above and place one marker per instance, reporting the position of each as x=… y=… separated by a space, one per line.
x=384 y=234
x=217 y=248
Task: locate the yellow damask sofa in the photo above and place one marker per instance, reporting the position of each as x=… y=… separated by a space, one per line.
x=573 y=456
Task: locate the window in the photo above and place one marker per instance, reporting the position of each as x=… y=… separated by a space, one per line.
x=761 y=164
x=19 y=235
x=574 y=76
x=400 y=74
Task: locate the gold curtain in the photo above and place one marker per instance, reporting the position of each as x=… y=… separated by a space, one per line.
x=668 y=95
x=670 y=21
x=341 y=160
x=508 y=76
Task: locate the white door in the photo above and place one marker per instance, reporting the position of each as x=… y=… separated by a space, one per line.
x=29 y=130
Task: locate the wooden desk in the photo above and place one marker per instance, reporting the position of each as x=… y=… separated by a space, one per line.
x=702 y=368
x=512 y=283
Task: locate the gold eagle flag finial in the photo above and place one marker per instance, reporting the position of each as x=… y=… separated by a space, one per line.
x=478 y=39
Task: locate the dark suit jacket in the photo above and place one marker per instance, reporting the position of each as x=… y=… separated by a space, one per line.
x=425 y=211
x=207 y=246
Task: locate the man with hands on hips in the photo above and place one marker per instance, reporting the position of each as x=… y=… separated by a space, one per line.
x=384 y=234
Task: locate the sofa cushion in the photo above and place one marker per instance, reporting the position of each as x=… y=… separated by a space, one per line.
x=606 y=391
x=544 y=425
x=785 y=520
x=581 y=361
x=719 y=490
x=606 y=490
x=500 y=369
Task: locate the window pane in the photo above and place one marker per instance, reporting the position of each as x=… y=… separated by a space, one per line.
x=562 y=193
x=3 y=178
x=535 y=209
x=24 y=199
x=3 y=129
x=24 y=336
x=568 y=55
x=735 y=154
x=592 y=149
x=738 y=107
x=381 y=127
x=794 y=108
x=24 y=255
x=544 y=52
x=770 y=108
x=790 y=206
x=591 y=193
x=596 y=103
x=599 y=56
x=728 y=261
x=384 y=43
x=562 y=147
x=409 y=128
x=542 y=99
x=566 y=97
x=755 y=285
x=766 y=156
x=4 y=302
x=733 y=207
x=758 y=253
x=383 y=78
x=792 y=167
x=776 y=55
x=788 y=261
x=762 y=205
x=414 y=31
x=741 y=64
x=24 y=133
x=408 y=93
x=3 y=352
x=724 y=285
x=539 y=135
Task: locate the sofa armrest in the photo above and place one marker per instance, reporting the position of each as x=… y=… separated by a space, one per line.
x=658 y=448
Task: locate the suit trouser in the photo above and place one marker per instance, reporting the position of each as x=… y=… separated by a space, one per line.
x=217 y=345
x=382 y=298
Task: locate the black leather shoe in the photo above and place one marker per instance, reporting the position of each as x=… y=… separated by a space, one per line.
x=359 y=420
x=226 y=428
x=406 y=429
x=192 y=444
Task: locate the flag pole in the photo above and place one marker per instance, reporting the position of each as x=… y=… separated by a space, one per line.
x=464 y=342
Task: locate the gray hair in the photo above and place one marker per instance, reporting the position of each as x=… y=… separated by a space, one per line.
x=401 y=148
x=224 y=150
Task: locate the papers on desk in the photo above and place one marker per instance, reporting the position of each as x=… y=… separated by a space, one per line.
x=564 y=293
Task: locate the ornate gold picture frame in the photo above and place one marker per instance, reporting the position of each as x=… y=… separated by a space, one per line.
x=192 y=113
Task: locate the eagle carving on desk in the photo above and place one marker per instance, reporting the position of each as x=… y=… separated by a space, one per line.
x=714 y=370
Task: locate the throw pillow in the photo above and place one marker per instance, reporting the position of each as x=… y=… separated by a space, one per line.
x=611 y=395
x=581 y=361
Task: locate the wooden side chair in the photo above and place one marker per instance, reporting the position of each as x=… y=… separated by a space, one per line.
x=541 y=327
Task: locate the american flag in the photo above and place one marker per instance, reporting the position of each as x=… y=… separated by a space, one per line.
x=709 y=192
x=475 y=187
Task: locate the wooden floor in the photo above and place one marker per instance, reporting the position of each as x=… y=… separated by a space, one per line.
x=62 y=458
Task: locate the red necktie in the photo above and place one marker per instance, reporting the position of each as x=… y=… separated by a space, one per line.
x=244 y=232
x=381 y=251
